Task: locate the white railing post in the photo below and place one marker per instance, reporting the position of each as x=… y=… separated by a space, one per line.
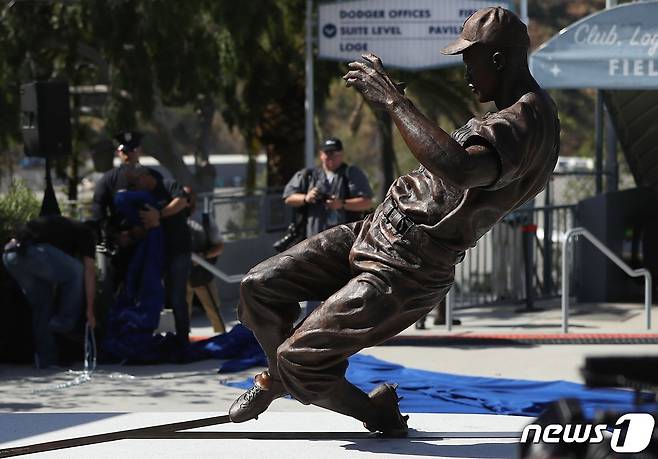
x=565 y=282
x=449 y=298
x=648 y=289
x=615 y=259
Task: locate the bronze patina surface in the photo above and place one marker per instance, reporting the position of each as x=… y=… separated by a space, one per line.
x=377 y=276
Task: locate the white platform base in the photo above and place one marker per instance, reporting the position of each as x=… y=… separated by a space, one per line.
x=432 y=435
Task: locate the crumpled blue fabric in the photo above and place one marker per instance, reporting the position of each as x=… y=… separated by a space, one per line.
x=135 y=313
x=434 y=392
x=238 y=347
x=142 y=347
x=142 y=295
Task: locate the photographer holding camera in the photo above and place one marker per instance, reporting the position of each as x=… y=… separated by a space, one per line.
x=327 y=195
x=331 y=193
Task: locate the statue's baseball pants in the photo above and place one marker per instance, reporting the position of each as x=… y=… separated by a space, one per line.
x=376 y=278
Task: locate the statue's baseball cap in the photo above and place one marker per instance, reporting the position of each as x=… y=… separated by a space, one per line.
x=494 y=26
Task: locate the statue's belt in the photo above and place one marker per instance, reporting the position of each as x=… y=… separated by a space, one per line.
x=396 y=218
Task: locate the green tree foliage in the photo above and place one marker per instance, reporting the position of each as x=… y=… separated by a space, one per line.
x=41 y=41
x=245 y=59
x=153 y=54
x=38 y=41
x=17 y=206
x=163 y=54
x=268 y=102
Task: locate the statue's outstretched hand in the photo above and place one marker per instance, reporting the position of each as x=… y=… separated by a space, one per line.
x=372 y=81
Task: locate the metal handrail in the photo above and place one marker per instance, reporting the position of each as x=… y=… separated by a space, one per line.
x=231 y=279
x=574 y=232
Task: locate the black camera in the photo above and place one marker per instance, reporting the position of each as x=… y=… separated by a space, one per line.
x=324 y=192
x=294 y=233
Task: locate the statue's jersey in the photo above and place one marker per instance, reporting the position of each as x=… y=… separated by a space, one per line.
x=526 y=138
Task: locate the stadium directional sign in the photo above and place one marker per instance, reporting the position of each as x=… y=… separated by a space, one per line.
x=404 y=33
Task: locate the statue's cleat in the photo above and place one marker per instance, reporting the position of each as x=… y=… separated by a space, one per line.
x=256 y=400
x=387 y=418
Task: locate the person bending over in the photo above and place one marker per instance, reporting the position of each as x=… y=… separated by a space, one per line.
x=52 y=260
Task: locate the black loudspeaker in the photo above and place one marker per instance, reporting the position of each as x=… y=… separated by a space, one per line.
x=46 y=118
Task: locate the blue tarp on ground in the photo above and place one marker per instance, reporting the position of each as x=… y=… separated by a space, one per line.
x=433 y=392
x=238 y=348
x=423 y=391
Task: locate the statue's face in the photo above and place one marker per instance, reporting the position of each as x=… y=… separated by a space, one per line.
x=481 y=73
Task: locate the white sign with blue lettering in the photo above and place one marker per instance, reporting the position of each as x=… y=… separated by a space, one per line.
x=404 y=33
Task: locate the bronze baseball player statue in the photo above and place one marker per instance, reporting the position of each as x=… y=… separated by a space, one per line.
x=379 y=275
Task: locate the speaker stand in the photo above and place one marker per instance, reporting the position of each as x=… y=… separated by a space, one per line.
x=49 y=204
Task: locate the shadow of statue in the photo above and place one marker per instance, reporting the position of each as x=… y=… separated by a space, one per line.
x=412 y=447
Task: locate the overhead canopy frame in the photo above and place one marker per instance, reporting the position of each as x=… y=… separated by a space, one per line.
x=614 y=50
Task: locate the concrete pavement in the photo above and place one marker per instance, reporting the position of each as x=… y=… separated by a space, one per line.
x=274 y=435
x=194 y=388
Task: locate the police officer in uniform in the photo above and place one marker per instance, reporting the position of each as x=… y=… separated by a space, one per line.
x=104 y=213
